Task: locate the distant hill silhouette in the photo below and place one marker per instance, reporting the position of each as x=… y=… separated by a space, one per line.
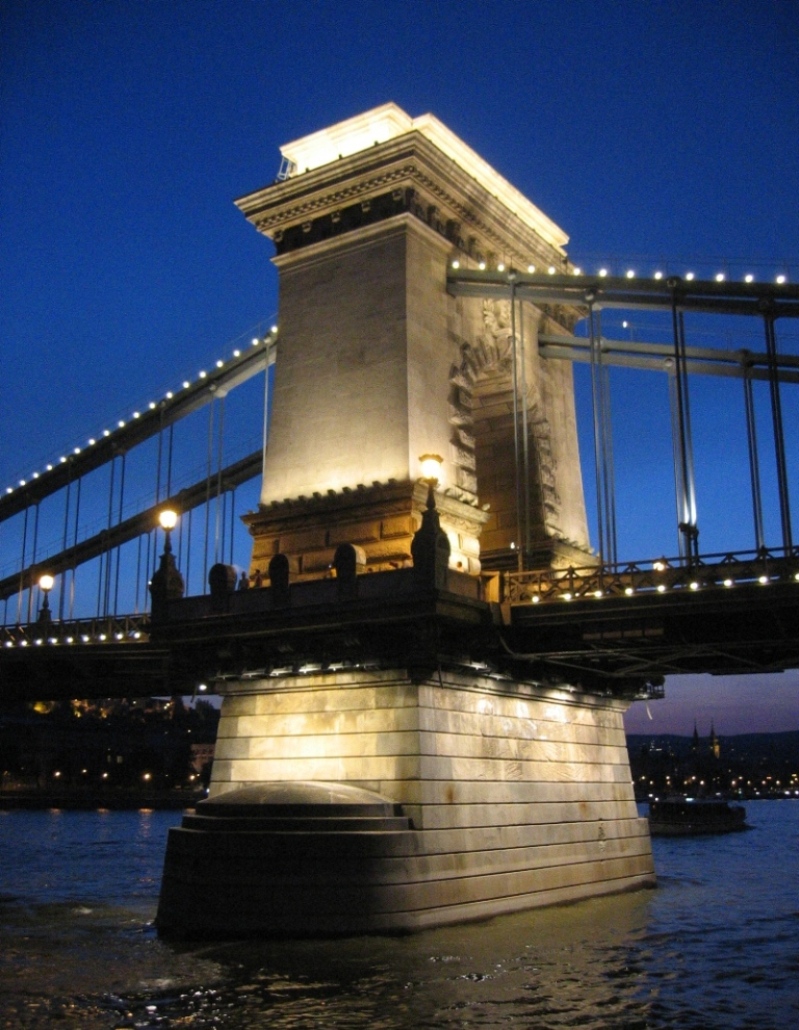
x=772 y=747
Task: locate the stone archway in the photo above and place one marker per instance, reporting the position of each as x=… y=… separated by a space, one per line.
x=488 y=428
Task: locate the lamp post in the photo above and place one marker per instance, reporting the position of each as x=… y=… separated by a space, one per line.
x=168 y=519
x=46 y=583
x=430 y=548
x=430 y=465
x=166 y=583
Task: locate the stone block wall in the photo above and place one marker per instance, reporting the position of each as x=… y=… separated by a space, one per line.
x=518 y=796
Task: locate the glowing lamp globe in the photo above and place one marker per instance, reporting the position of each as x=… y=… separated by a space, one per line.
x=168 y=519
x=431 y=466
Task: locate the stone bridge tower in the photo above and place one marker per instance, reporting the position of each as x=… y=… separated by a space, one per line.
x=379 y=365
x=384 y=760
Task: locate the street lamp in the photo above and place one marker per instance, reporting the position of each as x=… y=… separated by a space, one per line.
x=46 y=583
x=430 y=547
x=166 y=583
x=168 y=519
x=430 y=465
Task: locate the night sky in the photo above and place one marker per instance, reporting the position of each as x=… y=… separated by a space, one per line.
x=657 y=134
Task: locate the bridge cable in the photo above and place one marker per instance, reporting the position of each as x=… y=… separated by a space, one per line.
x=525 y=435
x=608 y=467
x=187 y=565
x=604 y=475
x=72 y=588
x=516 y=445
x=686 y=499
x=779 y=437
x=208 y=470
x=139 y=540
x=22 y=564
x=102 y=572
x=232 y=521
x=64 y=542
x=33 y=579
x=266 y=408
x=594 y=358
x=751 y=438
x=169 y=460
x=120 y=511
x=219 y=517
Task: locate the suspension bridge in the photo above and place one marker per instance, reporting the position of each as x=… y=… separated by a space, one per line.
x=422 y=635
x=629 y=621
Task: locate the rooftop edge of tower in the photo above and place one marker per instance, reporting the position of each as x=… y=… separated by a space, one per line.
x=387 y=123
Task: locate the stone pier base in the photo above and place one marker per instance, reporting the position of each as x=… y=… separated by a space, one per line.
x=357 y=802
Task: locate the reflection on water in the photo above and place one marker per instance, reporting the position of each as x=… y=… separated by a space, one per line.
x=715 y=946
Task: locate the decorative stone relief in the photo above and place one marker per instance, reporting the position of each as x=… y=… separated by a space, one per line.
x=492 y=355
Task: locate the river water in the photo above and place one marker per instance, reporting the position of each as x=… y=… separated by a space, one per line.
x=716 y=945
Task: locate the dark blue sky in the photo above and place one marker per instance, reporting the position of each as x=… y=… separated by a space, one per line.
x=657 y=132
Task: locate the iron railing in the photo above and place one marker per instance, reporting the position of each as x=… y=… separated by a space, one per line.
x=111 y=629
x=721 y=571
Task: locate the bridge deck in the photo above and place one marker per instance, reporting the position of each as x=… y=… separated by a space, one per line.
x=622 y=638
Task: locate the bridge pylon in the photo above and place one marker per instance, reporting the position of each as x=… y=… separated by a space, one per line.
x=380 y=365
x=381 y=764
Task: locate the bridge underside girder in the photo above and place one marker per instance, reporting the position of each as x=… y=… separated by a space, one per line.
x=746 y=630
x=87 y=671
x=620 y=646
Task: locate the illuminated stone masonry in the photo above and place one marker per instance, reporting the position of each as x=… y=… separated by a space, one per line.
x=384 y=761
x=379 y=365
x=513 y=797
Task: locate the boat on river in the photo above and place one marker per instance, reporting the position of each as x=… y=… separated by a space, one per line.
x=683 y=816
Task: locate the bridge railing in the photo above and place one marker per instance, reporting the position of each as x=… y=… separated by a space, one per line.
x=721 y=571
x=120 y=629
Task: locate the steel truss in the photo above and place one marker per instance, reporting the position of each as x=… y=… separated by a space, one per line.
x=586 y=297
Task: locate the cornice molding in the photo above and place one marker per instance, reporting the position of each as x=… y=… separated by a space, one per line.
x=411 y=161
